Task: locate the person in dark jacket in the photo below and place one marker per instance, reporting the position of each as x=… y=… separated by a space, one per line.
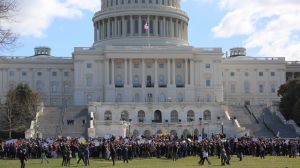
x=113 y=153
x=125 y=153
x=21 y=153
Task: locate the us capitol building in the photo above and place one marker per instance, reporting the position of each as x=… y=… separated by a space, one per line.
x=135 y=81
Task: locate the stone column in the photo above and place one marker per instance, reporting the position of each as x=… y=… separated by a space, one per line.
x=96 y=31
x=131 y=25
x=125 y=72
x=130 y=72
x=192 y=68
x=102 y=30
x=169 y=72
x=164 y=32
x=108 y=28
x=156 y=74
x=176 y=29
x=172 y=30
x=123 y=27
x=113 y=71
x=186 y=72
x=155 y=27
x=140 y=26
x=107 y=72
x=143 y=73
x=174 y=72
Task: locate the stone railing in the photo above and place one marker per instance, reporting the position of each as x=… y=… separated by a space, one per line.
x=142 y=6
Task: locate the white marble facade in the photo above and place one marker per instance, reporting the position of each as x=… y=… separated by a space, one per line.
x=129 y=69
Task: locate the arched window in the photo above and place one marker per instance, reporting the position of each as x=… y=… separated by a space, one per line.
x=124 y=116
x=190 y=116
x=147 y=133
x=179 y=97
x=174 y=116
x=207 y=115
x=107 y=116
x=141 y=116
x=136 y=133
x=162 y=98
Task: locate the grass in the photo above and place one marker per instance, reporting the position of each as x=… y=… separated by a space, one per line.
x=191 y=162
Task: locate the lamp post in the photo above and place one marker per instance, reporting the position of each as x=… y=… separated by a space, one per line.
x=222 y=124
x=129 y=125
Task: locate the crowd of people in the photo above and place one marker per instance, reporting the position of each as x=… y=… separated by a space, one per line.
x=159 y=146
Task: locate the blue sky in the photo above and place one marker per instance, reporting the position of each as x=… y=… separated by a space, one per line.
x=266 y=28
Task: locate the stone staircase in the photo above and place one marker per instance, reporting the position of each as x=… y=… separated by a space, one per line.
x=48 y=122
x=79 y=117
x=273 y=122
x=246 y=120
x=70 y=121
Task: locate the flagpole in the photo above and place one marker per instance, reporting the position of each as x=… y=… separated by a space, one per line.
x=148 y=36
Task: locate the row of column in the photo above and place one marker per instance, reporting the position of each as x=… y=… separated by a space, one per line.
x=128 y=72
x=134 y=26
x=111 y=3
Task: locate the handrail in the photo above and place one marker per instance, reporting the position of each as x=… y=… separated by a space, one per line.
x=251 y=113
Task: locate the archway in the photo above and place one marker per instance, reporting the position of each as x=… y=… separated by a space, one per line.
x=186 y=133
x=147 y=133
x=159 y=132
x=207 y=115
x=196 y=132
x=157 y=116
x=135 y=133
x=173 y=132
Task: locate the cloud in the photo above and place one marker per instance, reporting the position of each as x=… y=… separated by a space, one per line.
x=272 y=26
x=35 y=16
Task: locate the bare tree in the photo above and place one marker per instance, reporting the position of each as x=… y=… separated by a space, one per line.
x=7 y=11
x=19 y=109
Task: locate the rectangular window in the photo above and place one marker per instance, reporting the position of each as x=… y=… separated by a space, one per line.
x=89 y=65
x=54 y=88
x=119 y=66
x=136 y=65
x=232 y=74
x=208 y=83
x=66 y=88
x=261 y=74
x=39 y=73
x=272 y=73
x=232 y=88
x=273 y=90
x=89 y=81
x=161 y=65
x=207 y=66
x=66 y=73
x=178 y=66
x=149 y=66
x=261 y=88
x=246 y=74
x=24 y=73
x=54 y=73
x=11 y=73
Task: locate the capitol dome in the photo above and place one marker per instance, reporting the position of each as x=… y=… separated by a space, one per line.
x=122 y=22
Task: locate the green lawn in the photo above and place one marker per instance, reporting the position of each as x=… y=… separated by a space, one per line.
x=248 y=162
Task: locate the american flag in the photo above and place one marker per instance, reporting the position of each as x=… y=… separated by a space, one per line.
x=146 y=26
